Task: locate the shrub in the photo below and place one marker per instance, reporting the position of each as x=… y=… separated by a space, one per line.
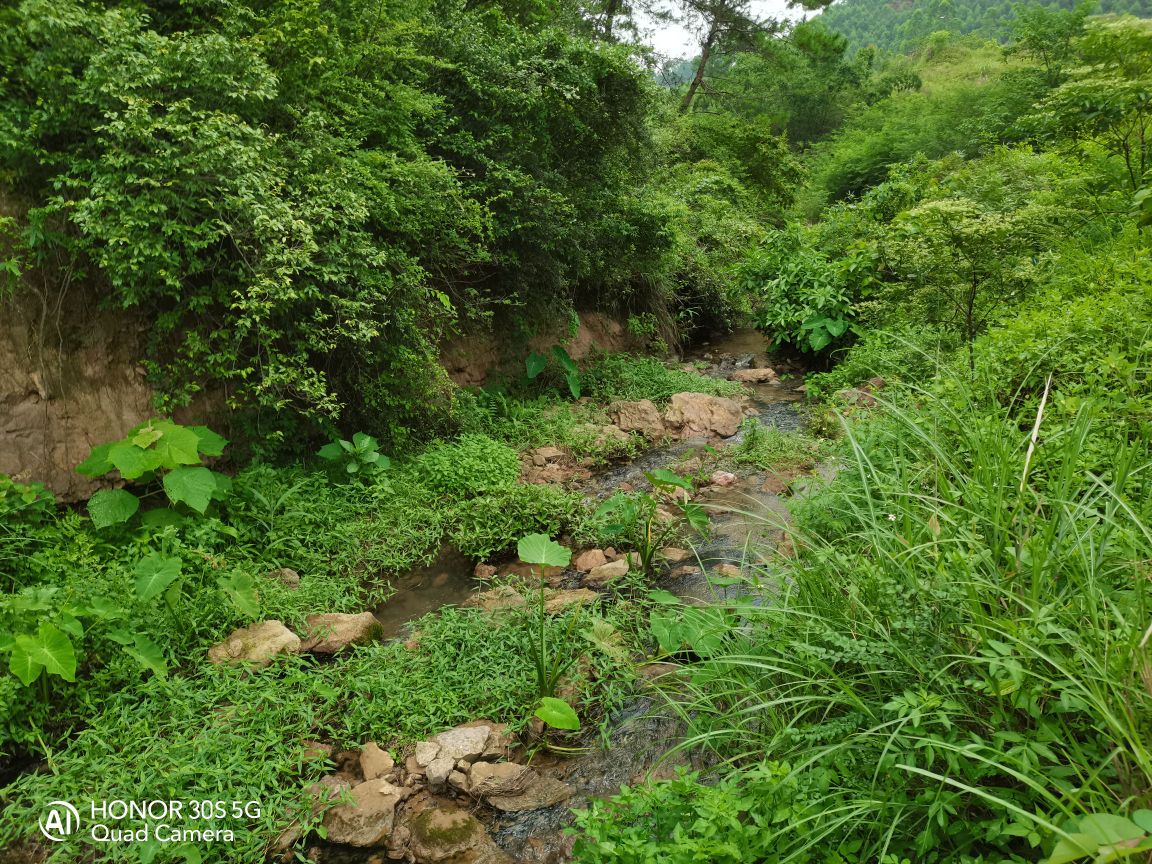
x=469 y=466
x=630 y=377
x=493 y=522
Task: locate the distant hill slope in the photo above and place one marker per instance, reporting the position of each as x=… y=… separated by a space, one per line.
x=897 y=25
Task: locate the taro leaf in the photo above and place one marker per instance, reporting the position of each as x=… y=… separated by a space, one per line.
x=573 y=379
x=540 y=549
x=194 y=486
x=606 y=638
x=565 y=360
x=241 y=590
x=112 y=506
x=557 y=713
x=534 y=365
x=1108 y=829
x=664 y=478
x=665 y=626
x=71 y=625
x=97 y=463
x=131 y=461
x=121 y=636
x=148 y=654
x=1072 y=848
x=154 y=573
x=696 y=517
x=331 y=452
x=665 y=597
x=49 y=649
x=1143 y=818
x=210 y=444
x=176 y=445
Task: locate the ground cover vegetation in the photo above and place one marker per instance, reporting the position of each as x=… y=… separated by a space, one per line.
x=304 y=200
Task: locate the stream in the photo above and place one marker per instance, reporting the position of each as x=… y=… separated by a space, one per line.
x=746 y=517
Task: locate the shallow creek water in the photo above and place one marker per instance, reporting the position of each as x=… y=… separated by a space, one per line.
x=746 y=518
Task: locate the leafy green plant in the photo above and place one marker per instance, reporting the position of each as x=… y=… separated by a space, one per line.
x=648 y=522
x=767 y=448
x=360 y=457
x=28 y=502
x=157 y=450
x=551 y=664
x=485 y=525
x=536 y=363
x=469 y=466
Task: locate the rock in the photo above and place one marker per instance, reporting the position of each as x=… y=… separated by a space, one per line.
x=652 y=671
x=728 y=570
x=607 y=572
x=643 y=417
x=289 y=577
x=368 y=819
x=722 y=478
x=499 y=778
x=877 y=383
x=257 y=644
x=558 y=601
x=426 y=751
x=332 y=632
x=753 y=376
x=499 y=598
x=612 y=434
x=458 y=780
x=548 y=454
x=484 y=571
x=673 y=555
x=443 y=834
x=684 y=570
x=610 y=552
x=854 y=396
x=694 y=414
x=589 y=559
x=437 y=772
x=317 y=750
x=512 y=788
x=540 y=791
x=539 y=461
x=463 y=742
x=500 y=742
x=375 y=762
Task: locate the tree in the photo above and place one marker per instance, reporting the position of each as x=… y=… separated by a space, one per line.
x=1046 y=36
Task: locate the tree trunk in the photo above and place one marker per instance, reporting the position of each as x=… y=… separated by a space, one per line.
x=705 y=52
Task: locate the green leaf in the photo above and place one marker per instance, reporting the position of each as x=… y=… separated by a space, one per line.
x=241 y=590
x=130 y=460
x=541 y=549
x=112 y=506
x=1107 y=828
x=210 y=444
x=176 y=445
x=154 y=573
x=696 y=517
x=557 y=713
x=160 y=518
x=364 y=443
x=665 y=597
x=331 y=451
x=20 y=661
x=664 y=478
x=1143 y=818
x=97 y=464
x=565 y=360
x=193 y=486
x=1071 y=848
x=223 y=486
x=573 y=379
x=145 y=436
x=52 y=650
x=534 y=365
x=149 y=655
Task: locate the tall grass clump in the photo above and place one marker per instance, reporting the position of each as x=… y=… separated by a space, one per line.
x=955 y=666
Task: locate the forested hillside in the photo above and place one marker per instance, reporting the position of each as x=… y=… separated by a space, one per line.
x=902 y=25
x=836 y=551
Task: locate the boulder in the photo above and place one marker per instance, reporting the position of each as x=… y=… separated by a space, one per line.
x=498 y=599
x=286 y=575
x=673 y=555
x=605 y=573
x=722 y=478
x=256 y=644
x=558 y=601
x=375 y=762
x=753 y=376
x=437 y=772
x=486 y=779
x=484 y=571
x=331 y=632
x=426 y=751
x=695 y=414
x=446 y=834
x=643 y=417
x=512 y=788
x=589 y=559
x=367 y=820
x=547 y=454
x=463 y=742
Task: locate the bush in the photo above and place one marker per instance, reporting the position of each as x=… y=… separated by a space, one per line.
x=469 y=466
x=630 y=377
x=493 y=523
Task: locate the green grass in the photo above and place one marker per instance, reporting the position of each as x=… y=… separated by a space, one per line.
x=630 y=377
x=767 y=448
x=953 y=670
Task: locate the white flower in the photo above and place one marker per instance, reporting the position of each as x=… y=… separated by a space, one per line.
x=891 y=517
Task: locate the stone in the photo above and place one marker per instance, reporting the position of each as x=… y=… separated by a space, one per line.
x=500 y=598
x=652 y=671
x=317 y=750
x=753 y=376
x=538 y=460
x=463 y=742
x=497 y=778
x=557 y=601
x=673 y=555
x=722 y=478
x=437 y=772
x=548 y=454
x=643 y=417
x=605 y=573
x=256 y=644
x=332 y=632
x=877 y=383
x=368 y=819
x=447 y=834
x=375 y=762
x=854 y=396
x=728 y=570
x=484 y=571
x=540 y=791
x=458 y=780
x=589 y=559
x=694 y=414
x=426 y=751
x=286 y=575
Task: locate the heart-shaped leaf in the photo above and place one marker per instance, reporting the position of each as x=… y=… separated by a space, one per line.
x=541 y=549
x=112 y=507
x=192 y=486
x=210 y=444
x=149 y=655
x=155 y=573
x=534 y=365
x=557 y=713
